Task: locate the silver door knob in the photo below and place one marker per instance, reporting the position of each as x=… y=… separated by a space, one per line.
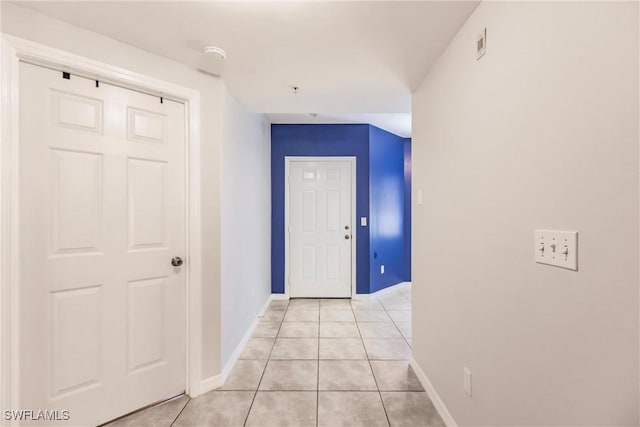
x=176 y=261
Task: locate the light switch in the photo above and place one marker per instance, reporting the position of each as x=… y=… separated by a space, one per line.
x=363 y=221
x=559 y=248
x=419 y=197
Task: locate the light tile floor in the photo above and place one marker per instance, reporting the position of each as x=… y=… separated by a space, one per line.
x=316 y=363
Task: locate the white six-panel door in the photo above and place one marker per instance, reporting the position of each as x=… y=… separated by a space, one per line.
x=102 y=212
x=320 y=228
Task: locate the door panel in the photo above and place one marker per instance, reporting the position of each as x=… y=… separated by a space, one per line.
x=76 y=223
x=147 y=195
x=76 y=336
x=102 y=210
x=146 y=318
x=320 y=216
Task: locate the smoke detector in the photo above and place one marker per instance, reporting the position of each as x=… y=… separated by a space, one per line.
x=215 y=50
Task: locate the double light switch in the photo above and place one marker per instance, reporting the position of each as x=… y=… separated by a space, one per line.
x=559 y=248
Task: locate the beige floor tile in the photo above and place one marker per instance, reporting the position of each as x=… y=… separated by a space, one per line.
x=400 y=315
x=273 y=315
x=339 y=330
x=397 y=305
x=266 y=329
x=350 y=409
x=391 y=299
x=336 y=304
x=387 y=349
x=410 y=409
x=405 y=328
x=216 y=408
x=299 y=330
x=295 y=348
x=283 y=409
x=245 y=375
x=379 y=330
x=371 y=315
x=331 y=315
x=162 y=415
x=290 y=375
x=302 y=303
x=366 y=305
x=279 y=304
x=353 y=375
x=395 y=375
x=257 y=348
x=303 y=315
x=342 y=348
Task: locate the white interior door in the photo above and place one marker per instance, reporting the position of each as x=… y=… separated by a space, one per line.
x=102 y=212
x=320 y=228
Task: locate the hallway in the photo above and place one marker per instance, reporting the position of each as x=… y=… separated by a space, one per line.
x=315 y=363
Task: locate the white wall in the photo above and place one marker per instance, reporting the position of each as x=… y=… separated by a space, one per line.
x=215 y=120
x=541 y=133
x=246 y=222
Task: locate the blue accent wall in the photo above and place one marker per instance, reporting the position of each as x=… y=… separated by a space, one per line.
x=407 y=209
x=386 y=208
x=319 y=140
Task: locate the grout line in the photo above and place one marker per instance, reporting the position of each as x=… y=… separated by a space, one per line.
x=396 y=325
x=180 y=413
x=372 y=374
x=266 y=365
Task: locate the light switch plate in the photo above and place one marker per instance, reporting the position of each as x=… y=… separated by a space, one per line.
x=558 y=248
x=419 y=197
x=363 y=221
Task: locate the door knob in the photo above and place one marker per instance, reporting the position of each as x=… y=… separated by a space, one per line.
x=346 y=236
x=176 y=261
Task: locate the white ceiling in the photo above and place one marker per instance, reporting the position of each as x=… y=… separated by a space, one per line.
x=346 y=57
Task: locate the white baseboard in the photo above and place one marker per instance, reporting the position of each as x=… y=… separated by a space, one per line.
x=433 y=394
x=382 y=292
x=279 y=296
x=217 y=381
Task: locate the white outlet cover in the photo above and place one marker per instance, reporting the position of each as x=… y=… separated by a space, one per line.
x=467 y=381
x=382 y=269
x=551 y=245
x=481 y=44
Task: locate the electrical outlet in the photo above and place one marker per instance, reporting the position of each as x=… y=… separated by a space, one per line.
x=481 y=44
x=382 y=269
x=467 y=381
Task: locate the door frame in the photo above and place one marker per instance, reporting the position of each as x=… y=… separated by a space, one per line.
x=13 y=51
x=287 y=164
